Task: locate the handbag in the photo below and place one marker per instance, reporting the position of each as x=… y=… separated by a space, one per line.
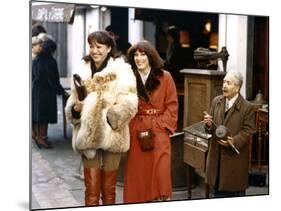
x=80 y=87
x=145 y=138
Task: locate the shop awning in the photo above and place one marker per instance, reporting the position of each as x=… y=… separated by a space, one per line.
x=53 y=13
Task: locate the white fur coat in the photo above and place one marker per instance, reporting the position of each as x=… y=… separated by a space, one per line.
x=114 y=86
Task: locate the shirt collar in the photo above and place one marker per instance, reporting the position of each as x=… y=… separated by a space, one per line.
x=144 y=76
x=232 y=101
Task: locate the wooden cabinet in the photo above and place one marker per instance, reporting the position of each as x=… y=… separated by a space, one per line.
x=195 y=152
x=200 y=87
x=195 y=156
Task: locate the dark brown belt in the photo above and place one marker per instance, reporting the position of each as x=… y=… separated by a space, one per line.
x=149 y=112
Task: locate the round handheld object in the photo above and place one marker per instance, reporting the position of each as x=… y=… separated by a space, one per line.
x=222 y=132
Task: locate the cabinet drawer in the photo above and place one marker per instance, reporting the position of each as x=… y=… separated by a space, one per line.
x=195 y=156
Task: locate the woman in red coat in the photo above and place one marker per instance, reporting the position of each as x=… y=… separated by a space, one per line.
x=148 y=171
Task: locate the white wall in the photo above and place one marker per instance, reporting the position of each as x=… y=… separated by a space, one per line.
x=135 y=28
x=105 y=19
x=233 y=35
x=92 y=23
x=75 y=42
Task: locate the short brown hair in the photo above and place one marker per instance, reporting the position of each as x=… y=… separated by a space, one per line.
x=102 y=37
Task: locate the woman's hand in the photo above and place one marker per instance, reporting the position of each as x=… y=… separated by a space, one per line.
x=78 y=106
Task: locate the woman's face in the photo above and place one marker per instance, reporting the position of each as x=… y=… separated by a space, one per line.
x=37 y=48
x=99 y=52
x=141 y=60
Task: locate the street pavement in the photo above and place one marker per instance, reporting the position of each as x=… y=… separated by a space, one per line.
x=56 y=182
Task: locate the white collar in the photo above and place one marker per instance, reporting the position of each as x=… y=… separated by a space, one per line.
x=144 y=76
x=231 y=101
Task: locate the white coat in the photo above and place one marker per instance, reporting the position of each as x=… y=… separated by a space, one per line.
x=114 y=87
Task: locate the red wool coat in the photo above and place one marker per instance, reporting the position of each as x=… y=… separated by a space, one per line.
x=148 y=174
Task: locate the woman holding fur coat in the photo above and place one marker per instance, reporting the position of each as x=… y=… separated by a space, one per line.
x=100 y=121
x=148 y=165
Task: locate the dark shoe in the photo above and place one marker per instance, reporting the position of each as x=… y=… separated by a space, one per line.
x=48 y=142
x=43 y=144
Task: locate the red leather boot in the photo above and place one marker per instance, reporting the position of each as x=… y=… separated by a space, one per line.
x=109 y=186
x=92 y=181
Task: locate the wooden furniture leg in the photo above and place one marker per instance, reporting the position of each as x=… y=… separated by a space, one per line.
x=207 y=190
x=259 y=144
x=189 y=181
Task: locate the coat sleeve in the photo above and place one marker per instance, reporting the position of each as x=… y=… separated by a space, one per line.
x=170 y=116
x=56 y=79
x=248 y=128
x=126 y=103
x=69 y=112
x=71 y=115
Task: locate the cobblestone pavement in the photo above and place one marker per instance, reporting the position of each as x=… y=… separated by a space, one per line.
x=55 y=181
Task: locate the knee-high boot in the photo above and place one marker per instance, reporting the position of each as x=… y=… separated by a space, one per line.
x=92 y=180
x=109 y=186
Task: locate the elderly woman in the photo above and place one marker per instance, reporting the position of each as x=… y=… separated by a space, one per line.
x=35 y=50
x=100 y=121
x=45 y=88
x=148 y=165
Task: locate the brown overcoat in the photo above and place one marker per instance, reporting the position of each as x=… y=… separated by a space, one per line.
x=240 y=119
x=148 y=174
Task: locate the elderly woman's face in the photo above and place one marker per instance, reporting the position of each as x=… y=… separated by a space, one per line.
x=99 y=52
x=141 y=60
x=37 y=48
x=230 y=89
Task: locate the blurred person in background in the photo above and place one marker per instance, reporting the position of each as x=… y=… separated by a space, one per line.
x=121 y=44
x=45 y=88
x=175 y=56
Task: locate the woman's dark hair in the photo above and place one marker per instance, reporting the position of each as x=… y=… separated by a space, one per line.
x=174 y=32
x=37 y=29
x=155 y=62
x=104 y=38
